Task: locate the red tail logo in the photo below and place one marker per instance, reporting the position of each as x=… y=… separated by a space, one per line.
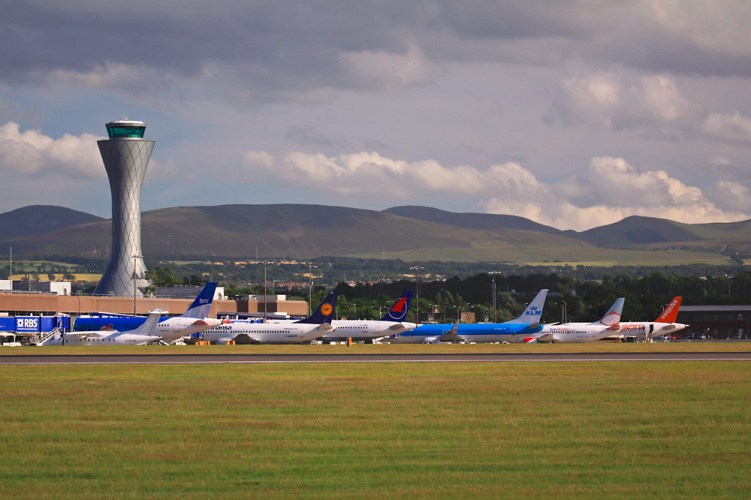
x=670 y=314
x=399 y=306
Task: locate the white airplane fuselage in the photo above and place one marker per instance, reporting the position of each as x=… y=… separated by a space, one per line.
x=645 y=330
x=573 y=332
x=101 y=338
x=266 y=333
x=360 y=329
x=174 y=328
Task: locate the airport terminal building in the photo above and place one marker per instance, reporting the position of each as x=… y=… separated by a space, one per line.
x=716 y=322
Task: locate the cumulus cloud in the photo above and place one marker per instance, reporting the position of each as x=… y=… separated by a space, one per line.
x=387 y=70
x=609 y=190
x=32 y=153
x=618 y=102
x=732 y=195
x=728 y=127
x=646 y=105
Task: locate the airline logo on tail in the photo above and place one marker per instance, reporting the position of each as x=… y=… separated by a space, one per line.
x=201 y=307
x=613 y=316
x=326 y=309
x=399 y=306
x=399 y=310
x=670 y=314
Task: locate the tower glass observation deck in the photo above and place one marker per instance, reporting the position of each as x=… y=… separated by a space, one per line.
x=126 y=129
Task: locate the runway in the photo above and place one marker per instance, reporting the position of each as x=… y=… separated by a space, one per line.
x=162 y=359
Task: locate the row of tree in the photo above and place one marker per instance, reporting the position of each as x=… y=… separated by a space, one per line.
x=569 y=299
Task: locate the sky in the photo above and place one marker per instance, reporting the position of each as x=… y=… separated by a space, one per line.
x=572 y=113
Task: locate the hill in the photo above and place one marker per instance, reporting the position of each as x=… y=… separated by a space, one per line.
x=38 y=219
x=471 y=220
x=407 y=233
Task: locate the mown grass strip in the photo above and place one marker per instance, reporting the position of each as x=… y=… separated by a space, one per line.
x=384 y=429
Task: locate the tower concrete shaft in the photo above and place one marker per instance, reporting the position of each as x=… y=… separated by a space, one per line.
x=126 y=157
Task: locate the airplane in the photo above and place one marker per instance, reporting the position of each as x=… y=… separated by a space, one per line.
x=297 y=332
x=527 y=323
x=665 y=324
x=392 y=323
x=194 y=320
x=582 y=332
x=144 y=334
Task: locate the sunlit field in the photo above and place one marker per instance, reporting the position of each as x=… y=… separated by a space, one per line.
x=405 y=430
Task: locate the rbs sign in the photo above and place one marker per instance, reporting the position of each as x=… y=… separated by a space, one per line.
x=29 y=324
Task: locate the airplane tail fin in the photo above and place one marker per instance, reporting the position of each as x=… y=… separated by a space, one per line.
x=398 y=311
x=324 y=313
x=613 y=316
x=670 y=314
x=149 y=326
x=533 y=312
x=202 y=305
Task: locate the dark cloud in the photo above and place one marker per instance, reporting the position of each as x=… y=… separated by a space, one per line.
x=288 y=45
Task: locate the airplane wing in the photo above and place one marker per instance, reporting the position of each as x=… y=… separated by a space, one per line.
x=548 y=337
x=451 y=335
x=325 y=328
x=395 y=329
x=84 y=335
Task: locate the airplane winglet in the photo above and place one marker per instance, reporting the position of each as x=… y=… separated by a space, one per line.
x=451 y=335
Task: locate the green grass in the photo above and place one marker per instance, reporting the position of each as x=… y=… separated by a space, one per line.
x=409 y=430
x=596 y=347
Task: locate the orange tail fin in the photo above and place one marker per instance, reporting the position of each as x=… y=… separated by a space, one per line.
x=670 y=314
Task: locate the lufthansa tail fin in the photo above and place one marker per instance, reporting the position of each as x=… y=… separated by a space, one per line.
x=202 y=305
x=670 y=314
x=324 y=313
x=533 y=312
x=398 y=311
x=613 y=316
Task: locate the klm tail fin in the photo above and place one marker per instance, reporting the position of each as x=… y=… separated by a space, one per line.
x=324 y=313
x=670 y=314
x=202 y=305
x=149 y=326
x=533 y=312
x=613 y=316
x=398 y=311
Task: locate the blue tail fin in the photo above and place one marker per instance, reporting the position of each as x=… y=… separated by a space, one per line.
x=202 y=305
x=533 y=312
x=399 y=310
x=324 y=313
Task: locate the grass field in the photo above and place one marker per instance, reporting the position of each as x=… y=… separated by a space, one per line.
x=404 y=430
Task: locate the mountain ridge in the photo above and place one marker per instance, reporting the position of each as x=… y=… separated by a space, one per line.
x=409 y=232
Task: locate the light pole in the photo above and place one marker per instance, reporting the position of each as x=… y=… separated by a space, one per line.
x=135 y=281
x=265 y=313
x=310 y=285
x=493 y=273
x=563 y=311
x=11 y=269
x=417 y=292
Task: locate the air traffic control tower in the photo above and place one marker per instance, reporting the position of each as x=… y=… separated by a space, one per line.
x=126 y=156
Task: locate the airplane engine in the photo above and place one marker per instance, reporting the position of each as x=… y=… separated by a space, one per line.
x=430 y=340
x=530 y=340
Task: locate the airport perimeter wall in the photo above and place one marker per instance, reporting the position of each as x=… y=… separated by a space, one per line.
x=22 y=304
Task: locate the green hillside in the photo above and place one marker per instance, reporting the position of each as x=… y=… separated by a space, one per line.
x=307 y=231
